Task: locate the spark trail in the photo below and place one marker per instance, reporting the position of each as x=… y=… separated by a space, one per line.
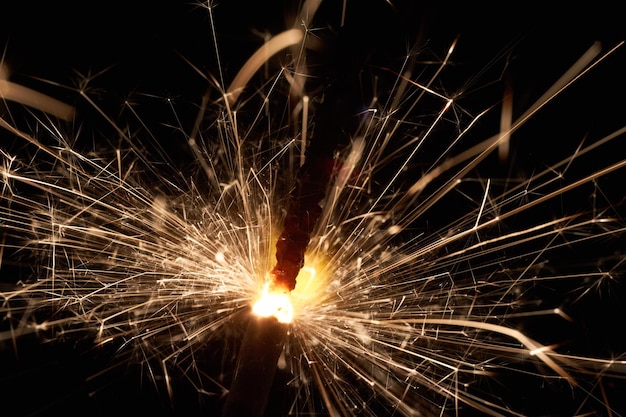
x=430 y=286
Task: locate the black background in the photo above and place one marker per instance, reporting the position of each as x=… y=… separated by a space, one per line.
x=141 y=44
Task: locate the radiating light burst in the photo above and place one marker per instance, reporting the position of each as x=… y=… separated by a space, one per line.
x=428 y=288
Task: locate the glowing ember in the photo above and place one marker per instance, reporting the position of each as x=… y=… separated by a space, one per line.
x=277 y=301
x=274 y=302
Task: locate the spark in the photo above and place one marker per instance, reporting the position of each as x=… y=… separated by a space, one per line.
x=276 y=44
x=389 y=315
x=29 y=97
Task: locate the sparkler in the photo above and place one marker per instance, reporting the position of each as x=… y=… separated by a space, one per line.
x=417 y=294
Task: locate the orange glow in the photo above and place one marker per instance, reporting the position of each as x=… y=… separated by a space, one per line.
x=274 y=302
x=285 y=305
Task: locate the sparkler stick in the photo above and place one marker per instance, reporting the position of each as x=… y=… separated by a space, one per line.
x=263 y=341
x=256 y=365
x=264 y=337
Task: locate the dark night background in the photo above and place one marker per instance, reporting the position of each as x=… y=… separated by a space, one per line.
x=141 y=44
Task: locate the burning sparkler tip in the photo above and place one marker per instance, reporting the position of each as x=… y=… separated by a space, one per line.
x=275 y=301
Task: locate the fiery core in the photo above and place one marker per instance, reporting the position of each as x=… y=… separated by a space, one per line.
x=435 y=239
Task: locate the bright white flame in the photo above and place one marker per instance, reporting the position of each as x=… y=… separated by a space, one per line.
x=274 y=302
